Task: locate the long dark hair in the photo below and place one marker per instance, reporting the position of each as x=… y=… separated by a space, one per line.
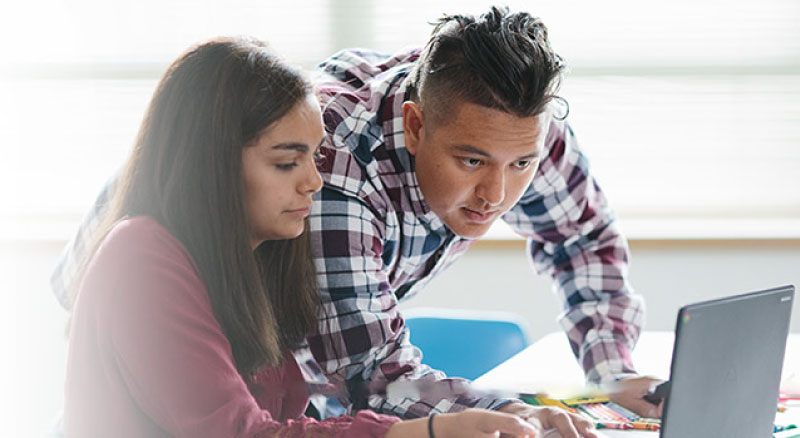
x=185 y=171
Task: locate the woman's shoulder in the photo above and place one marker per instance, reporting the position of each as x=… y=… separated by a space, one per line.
x=139 y=250
x=141 y=268
x=141 y=238
x=140 y=229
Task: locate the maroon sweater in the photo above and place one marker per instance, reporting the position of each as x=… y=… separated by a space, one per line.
x=147 y=357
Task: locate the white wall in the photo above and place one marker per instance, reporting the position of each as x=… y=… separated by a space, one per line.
x=668 y=274
x=34 y=348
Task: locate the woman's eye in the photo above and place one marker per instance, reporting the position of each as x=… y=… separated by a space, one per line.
x=286 y=166
x=471 y=162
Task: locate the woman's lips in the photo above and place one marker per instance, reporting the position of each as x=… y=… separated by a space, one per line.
x=303 y=212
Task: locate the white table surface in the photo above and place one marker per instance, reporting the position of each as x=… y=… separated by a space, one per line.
x=549 y=366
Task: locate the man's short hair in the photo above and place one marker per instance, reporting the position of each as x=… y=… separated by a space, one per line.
x=500 y=60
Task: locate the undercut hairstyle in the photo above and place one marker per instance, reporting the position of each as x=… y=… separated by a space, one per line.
x=500 y=60
x=185 y=171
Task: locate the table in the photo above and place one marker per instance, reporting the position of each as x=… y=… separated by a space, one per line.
x=549 y=366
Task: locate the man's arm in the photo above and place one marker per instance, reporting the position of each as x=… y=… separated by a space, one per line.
x=361 y=340
x=572 y=235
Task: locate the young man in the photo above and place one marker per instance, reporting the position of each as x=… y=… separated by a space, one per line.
x=424 y=151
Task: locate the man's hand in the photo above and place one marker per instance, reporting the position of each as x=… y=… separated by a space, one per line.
x=629 y=394
x=569 y=425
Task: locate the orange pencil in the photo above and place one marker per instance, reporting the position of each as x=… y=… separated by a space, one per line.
x=644 y=426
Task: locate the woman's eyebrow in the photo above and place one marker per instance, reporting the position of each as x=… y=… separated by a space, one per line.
x=292 y=146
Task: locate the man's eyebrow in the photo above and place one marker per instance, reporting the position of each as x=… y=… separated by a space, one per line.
x=530 y=156
x=299 y=147
x=473 y=150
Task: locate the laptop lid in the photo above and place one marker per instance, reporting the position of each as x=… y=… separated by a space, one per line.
x=726 y=366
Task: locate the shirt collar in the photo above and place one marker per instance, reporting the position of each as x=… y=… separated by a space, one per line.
x=396 y=141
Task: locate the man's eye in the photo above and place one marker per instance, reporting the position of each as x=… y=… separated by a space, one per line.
x=522 y=164
x=471 y=162
x=286 y=166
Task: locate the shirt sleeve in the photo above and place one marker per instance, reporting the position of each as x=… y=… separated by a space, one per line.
x=573 y=236
x=361 y=340
x=176 y=361
x=355 y=67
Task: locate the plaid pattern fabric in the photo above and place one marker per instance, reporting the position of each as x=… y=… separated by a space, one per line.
x=69 y=262
x=377 y=242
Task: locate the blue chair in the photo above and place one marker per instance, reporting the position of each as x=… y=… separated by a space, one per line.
x=465 y=343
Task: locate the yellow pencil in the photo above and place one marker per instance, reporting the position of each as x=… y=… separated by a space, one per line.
x=544 y=401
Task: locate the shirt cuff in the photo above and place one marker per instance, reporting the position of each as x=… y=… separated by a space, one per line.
x=607 y=361
x=368 y=424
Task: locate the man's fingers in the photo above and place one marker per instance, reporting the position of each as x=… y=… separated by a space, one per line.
x=630 y=393
x=640 y=407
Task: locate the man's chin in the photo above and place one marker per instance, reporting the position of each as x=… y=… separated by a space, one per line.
x=471 y=231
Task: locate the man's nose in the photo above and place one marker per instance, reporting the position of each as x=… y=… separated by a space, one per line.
x=491 y=188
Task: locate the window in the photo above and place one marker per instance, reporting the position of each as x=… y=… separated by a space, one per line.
x=689 y=111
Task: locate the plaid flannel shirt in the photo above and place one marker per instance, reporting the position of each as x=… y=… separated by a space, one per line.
x=377 y=242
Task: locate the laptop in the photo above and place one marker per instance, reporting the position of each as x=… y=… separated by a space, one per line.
x=726 y=366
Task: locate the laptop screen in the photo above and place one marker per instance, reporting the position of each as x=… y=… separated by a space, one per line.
x=726 y=366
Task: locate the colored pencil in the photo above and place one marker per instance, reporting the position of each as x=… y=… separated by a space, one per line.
x=544 y=401
x=585 y=400
x=614 y=414
x=595 y=412
x=638 y=425
x=612 y=425
x=622 y=411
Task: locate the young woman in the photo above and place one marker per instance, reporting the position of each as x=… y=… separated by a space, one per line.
x=202 y=285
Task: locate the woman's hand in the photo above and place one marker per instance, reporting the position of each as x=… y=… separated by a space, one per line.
x=483 y=423
x=471 y=423
x=542 y=418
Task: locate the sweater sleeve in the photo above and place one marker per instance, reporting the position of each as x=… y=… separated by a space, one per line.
x=172 y=354
x=363 y=425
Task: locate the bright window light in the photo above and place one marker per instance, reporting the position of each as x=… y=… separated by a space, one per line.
x=687 y=110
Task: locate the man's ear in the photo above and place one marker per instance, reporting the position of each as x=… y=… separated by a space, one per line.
x=413 y=126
